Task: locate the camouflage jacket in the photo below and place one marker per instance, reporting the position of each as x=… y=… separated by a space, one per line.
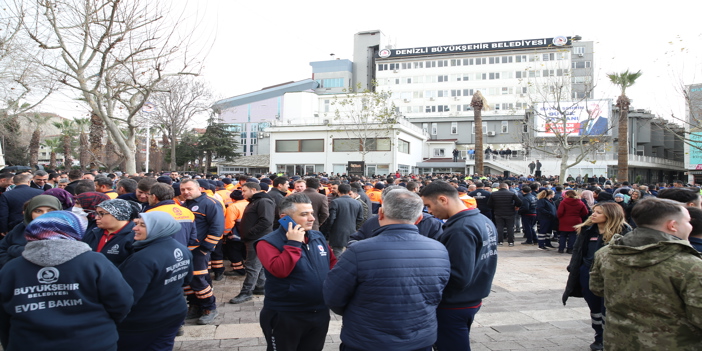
x=652 y=286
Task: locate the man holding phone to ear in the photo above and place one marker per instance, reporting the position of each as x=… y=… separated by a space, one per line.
x=296 y=260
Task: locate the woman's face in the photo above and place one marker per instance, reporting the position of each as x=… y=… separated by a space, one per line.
x=598 y=216
x=634 y=195
x=41 y=210
x=139 y=229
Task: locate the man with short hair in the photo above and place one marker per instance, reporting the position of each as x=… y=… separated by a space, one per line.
x=503 y=203
x=74 y=176
x=39 y=181
x=481 y=196
x=651 y=282
x=126 y=186
x=320 y=205
x=161 y=200
x=256 y=222
x=141 y=192
x=682 y=195
x=296 y=260
x=5 y=181
x=528 y=213
x=387 y=287
x=278 y=193
x=11 y=202
x=104 y=185
x=84 y=186
x=299 y=186
x=345 y=218
x=471 y=241
x=209 y=221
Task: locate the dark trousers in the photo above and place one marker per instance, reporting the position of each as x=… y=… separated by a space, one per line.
x=564 y=237
x=454 y=328
x=235 y=252
x=528 y=228
x=217 y=258
x=502 y=223
x=153 y=340
x=255 y=277
x=199 y=292
x=594 y=302
x=343 y=347
x=294 y=331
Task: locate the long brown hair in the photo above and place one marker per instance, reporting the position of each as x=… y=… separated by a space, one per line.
x=614 y=223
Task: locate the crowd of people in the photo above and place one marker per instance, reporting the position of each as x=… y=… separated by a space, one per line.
x=109 y=261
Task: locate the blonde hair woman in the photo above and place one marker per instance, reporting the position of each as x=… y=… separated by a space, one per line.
x=606 y=220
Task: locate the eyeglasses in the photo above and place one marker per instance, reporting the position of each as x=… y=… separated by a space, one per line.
x=99 y=214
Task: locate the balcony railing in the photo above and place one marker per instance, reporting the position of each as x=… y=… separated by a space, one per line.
x=330 y=121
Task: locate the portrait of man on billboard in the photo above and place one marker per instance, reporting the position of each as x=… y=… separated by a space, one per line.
x=596 y=123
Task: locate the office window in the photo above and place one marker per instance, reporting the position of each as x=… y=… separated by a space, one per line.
x=430 y=109
x=429 y=93
x=534 y=74
x=484 y=128
x=579 y=50
x=454 y=127
x=429 y=64
x=403 y=146
x=581 y=64
x=443 y=63
x=506 y=59
x=507 y=106
x=434 y=128
x=378 y=144
x=468 y=62
x=326 y=105
x=504 y=127
x=456 y=62
x=494 y=75
x=443 y=78
x=419 y=64
x=468 y=92
x=443 y=108
x=548 y=73
x=493 y=60
x=506 y=90
x=310 y=145
x=561 y=72
x=381 y=67
x=439 y=152
x=407 y=65
x=425 y=128
x=520 y=58
x=333 y=83
x=456 y=92
x=548 y=57
x=442 y=93
x=253 y=141
x=481 y=61
x=356 y=144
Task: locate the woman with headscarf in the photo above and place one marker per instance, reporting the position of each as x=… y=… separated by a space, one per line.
x=63 y=196
x=13 y=244
x=88 y=202
x=157 y=272
x=113 y=235
x=59 y=295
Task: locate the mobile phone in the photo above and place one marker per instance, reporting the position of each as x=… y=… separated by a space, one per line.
x=284 y=222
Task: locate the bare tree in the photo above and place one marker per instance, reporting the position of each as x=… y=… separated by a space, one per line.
x=178 y=101
x=114 y=53
x=368 y=118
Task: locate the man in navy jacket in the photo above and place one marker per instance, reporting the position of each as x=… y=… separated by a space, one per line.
x=11 y=202
x=471 y=241
x=387 y=287
x=296 y=261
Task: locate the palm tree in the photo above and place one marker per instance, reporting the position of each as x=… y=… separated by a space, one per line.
x=35 y=140
x=82 y=125
x=53 y=145
x=623 y=80
x=67 y=128
x=479 y=104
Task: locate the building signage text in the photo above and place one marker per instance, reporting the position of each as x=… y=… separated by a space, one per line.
x=464 y=48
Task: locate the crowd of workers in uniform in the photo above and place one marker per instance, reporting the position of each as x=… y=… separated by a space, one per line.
x=97 y=261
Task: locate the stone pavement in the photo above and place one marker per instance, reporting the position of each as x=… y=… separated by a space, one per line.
x=523 y=312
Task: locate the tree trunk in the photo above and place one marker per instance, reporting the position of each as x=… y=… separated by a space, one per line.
x=34 y=148
x=84 y=152
x=52 y=160
x=97 y=131
x=623 y=139
x=67 y=157
x=479 y=148
x=173 y=143
x=564 y=165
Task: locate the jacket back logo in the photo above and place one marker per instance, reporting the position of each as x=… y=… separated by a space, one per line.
x=178 y=254
x=48 y=275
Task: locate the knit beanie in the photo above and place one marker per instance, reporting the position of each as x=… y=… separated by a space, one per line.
x=165 y=180
x=39 y=201
x=62 y=195
x=56 y=225
x=158 y=224
x=120 y=209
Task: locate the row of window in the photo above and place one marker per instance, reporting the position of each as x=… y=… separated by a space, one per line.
x=341 y=145
x=504 y=128
x=462 y=108
x=476 y=61
x=406 y=96
x=466 y=77
x=331 y=83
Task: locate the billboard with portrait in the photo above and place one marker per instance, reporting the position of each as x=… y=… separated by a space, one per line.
x=587 y=117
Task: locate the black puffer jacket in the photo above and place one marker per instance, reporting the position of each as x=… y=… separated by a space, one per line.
x=503 y=202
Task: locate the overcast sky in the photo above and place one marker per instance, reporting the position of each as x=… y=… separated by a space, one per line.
x=263 y=43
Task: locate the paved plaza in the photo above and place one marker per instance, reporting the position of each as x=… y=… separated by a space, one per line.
x=523 y=312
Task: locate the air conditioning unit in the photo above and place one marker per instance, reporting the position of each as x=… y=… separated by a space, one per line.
x=581 y=55
x=260 y=135
x=431 y=99
x=316 y=114
x=455 y=98
x=394 y=71
x=491 y=133
x=407 y=100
